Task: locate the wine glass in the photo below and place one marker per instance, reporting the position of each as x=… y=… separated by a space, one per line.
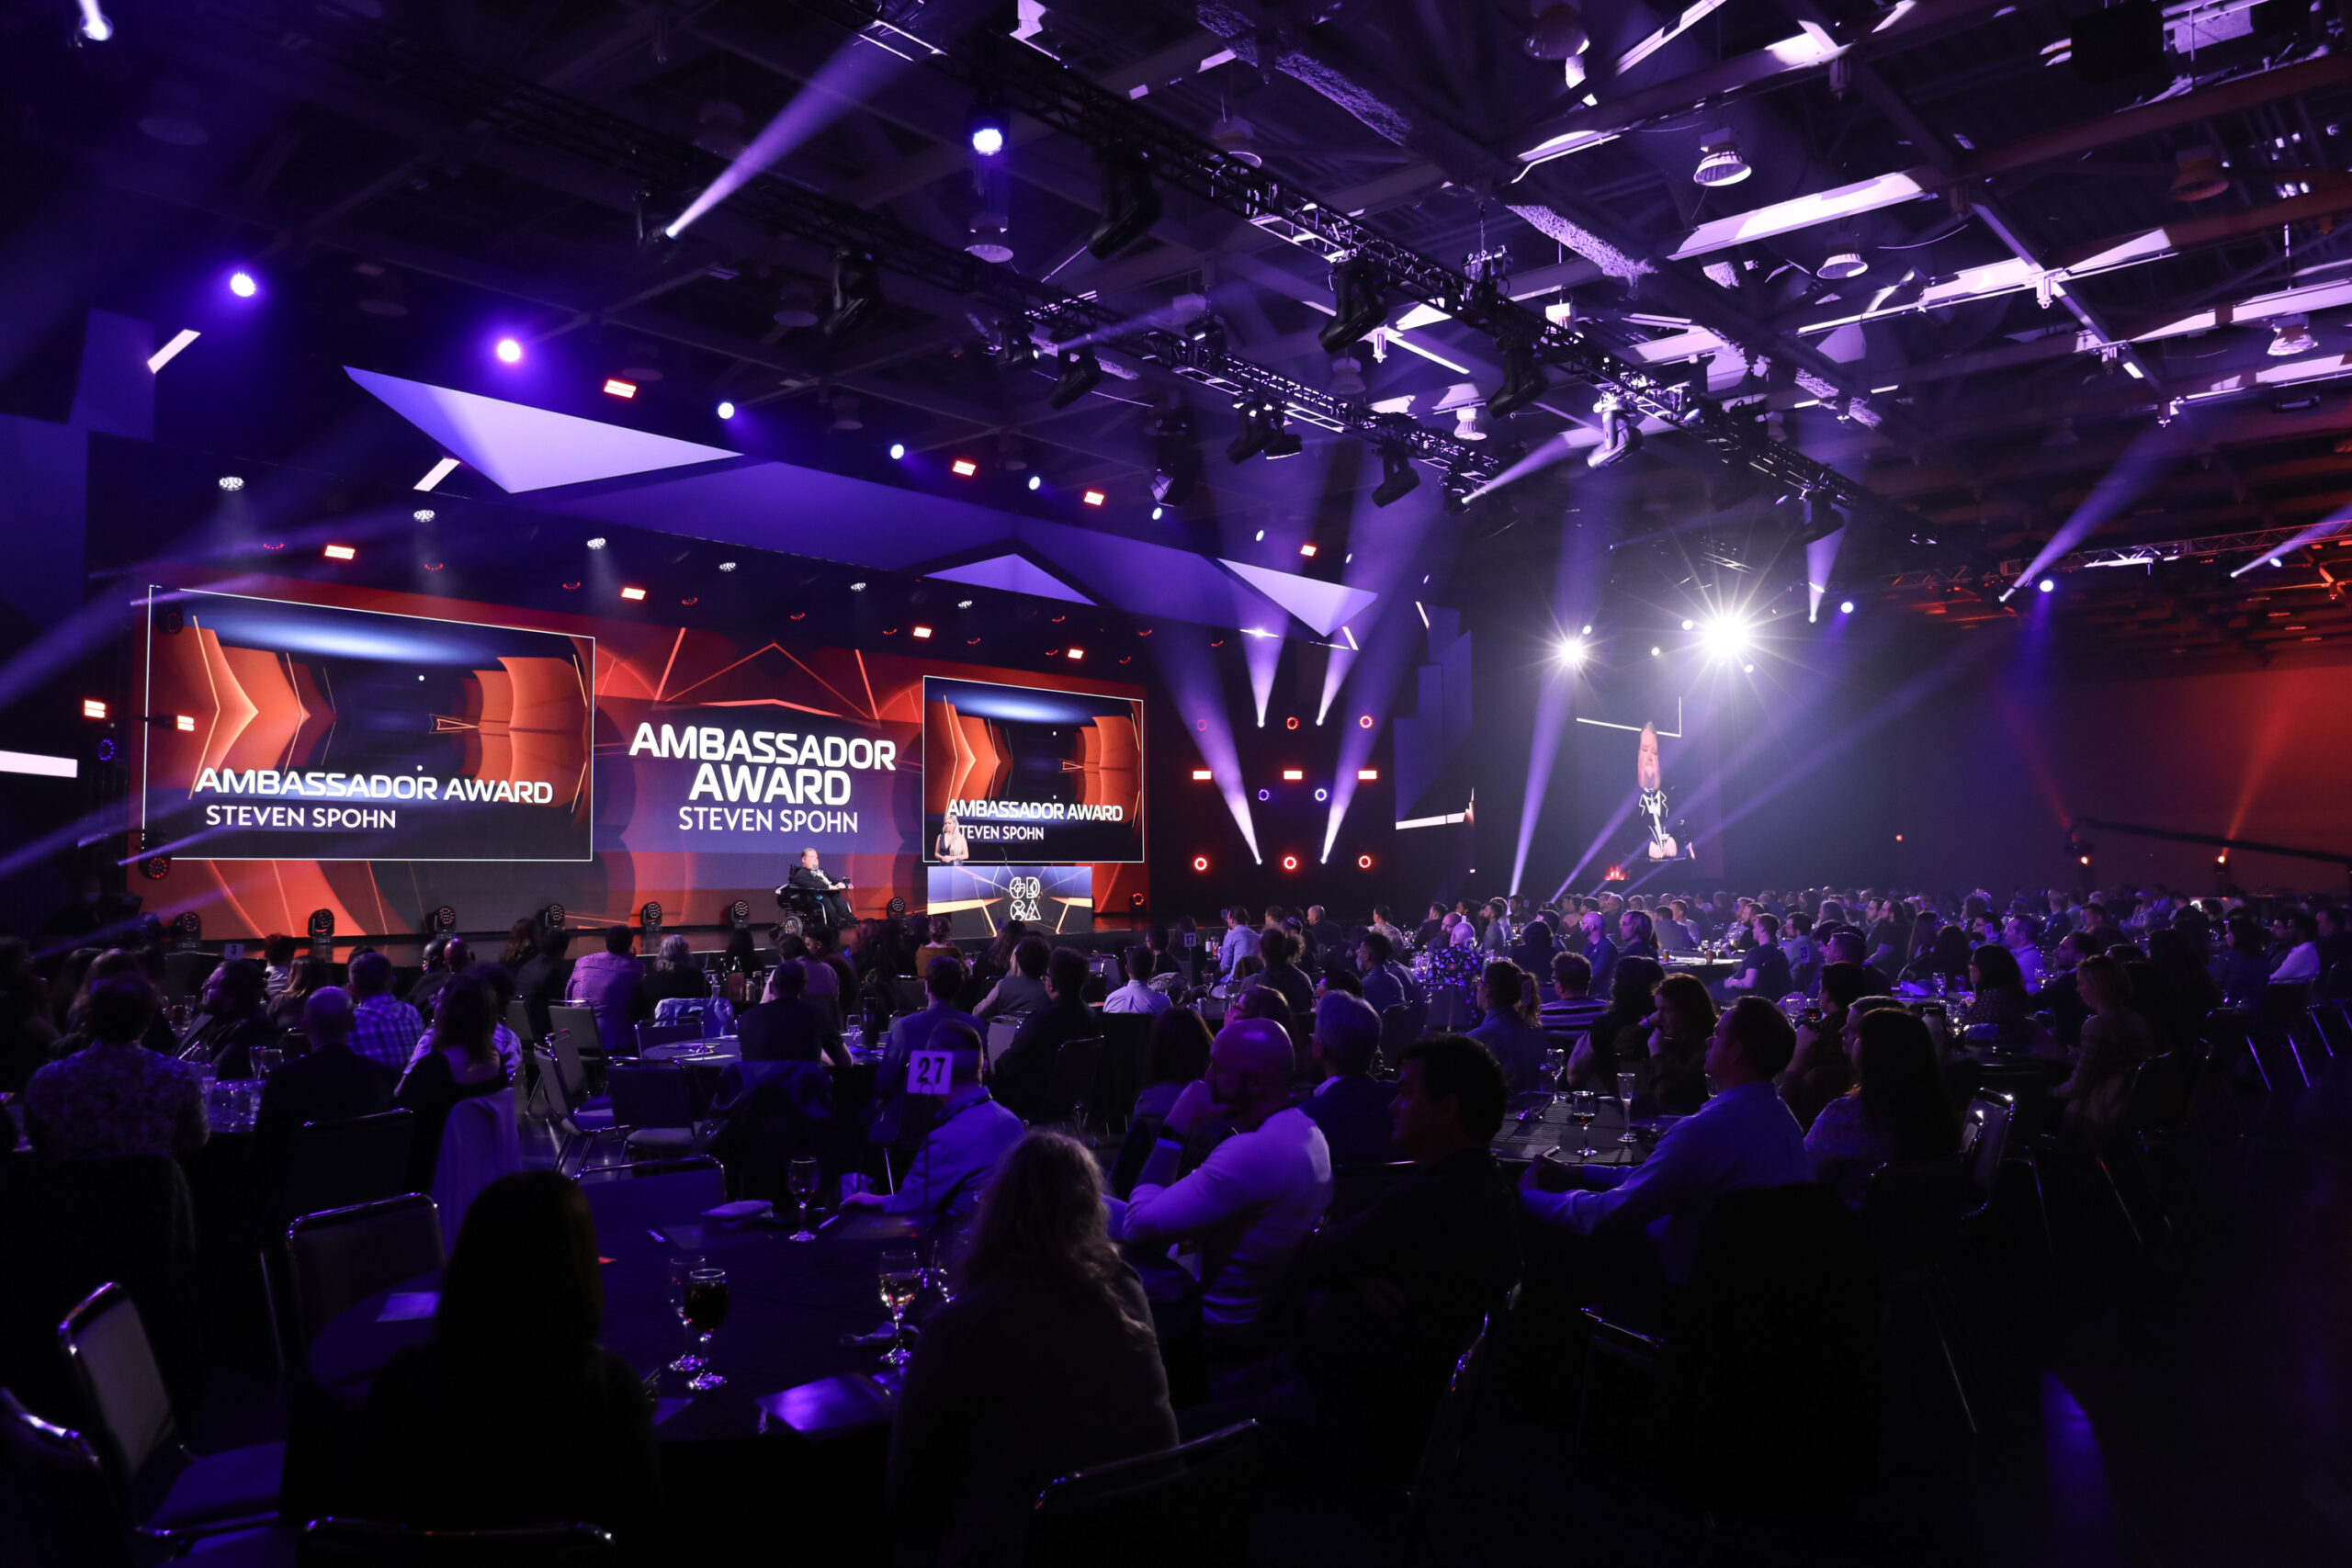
x=1626 y=1084
x=680 y=1268
x=901 y=1278
x=1583 y=1106
x=941 y=1275
x=800 y=1180
x=706 y=1310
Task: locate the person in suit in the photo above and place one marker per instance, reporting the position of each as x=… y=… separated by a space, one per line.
x=810 y=877
x=1020 y=1075
x=235 y=1022
x=786 y=1027
x=445 y=957
x=1349 y=1104
x=543 y=976
x=328 y=1084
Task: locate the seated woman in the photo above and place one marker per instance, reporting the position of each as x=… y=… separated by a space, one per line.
x=1677 y=1046
x=1045 y=1362
x=2116 y=1038
x=674 y=974
x=1022 y=991
x=1632 y=993
x=511 y=1414
x=940 y=945
x=1178 y=1054
x=1821 y=1069
x=461 y=1062
x=1899 y=1107
x=303 y=976
x=1510 y=1030
x=2002 y=1001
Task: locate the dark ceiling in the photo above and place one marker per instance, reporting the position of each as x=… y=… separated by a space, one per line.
x=2046 y=338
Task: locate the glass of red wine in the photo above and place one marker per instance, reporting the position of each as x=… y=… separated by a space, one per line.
x=681 y=1269
x=706 y=1310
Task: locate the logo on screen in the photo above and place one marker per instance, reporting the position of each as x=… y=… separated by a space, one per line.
x=1026 y=892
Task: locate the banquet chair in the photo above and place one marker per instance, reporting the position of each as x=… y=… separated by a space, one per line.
x=1181 y=1507
x=1985 y=1138
x=574 y=1129
x=1127 y=1057
x=477 y=1146
x=585 y=1048
x=114 y=1370
x=518 y=1021
x=1000 y=1034
x=1458 y=1409
x=1449 y=1010
x=56 y=1509
x=1912 y=1216
x=908 y=995
x=367 y=1543
x=356 y=1159
x=689 y=1185
x=709 y=1015
x=1397 y=1032
x=1355 y=1184
x=345 y=1256
x=652 y=1107
x=1069 y=1085
x=668 y=1034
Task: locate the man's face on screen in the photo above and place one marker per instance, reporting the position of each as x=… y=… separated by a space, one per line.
x=1645 y=762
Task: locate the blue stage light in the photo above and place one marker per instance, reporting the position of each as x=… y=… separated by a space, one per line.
x=243 y=285
x=898 y=452
x=727 y=411
x=2047 y=585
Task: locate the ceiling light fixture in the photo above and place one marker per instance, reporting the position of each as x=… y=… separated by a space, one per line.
x=1844 y=260
x=632 y=593
x=422 y=515
x=988 y=126
x=1621 y=434
x=727 y=565
x=232 y=483
x=1469 y=423
x=1081 y=374
x=597 y=543
x=845 y=418
x=1130 y=202
x=1719 y=160
x=2198 y=175
x=1363 y=300
x=1094 y=497
x=341 y=552
x=964 y=468
x=242 y=284
x=1522 y=381
x=2290 y=335
x=617 y=387
x=1398 y=478
x=726 y=410
x=1237 y=140
x=509 y=351
x=858 y=292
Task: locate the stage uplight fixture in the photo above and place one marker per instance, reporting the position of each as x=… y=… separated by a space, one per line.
x=1321 y=796
x=1290 y=863
x=857 y=588
x=726 y=410
x=1094 y=497
x=617 y=387
x=341 y=552
x=1078 y=653
x=1363 y=862
x=727 y=565
x=232 y=483
x=509 y=351
x=1157 y=512
x=243 y=285
x=184 y=723
x=632 y=593
x=1363 y=721
x=422 y=515
x=964 y=468
x=963 y=604
x=1265 y=794
x=1200 y=862
x=1035 y=483
x=1307 y=550
x=1293 y=775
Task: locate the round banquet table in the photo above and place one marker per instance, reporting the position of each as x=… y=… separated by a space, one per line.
x=725 y=1459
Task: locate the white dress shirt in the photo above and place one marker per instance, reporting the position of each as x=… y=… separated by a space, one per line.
x=1240 y=943
x=2302 y=963
x=1743 y=1137
x=1250 y=1205
x=1136 y=996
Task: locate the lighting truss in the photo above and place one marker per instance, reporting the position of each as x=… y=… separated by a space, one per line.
x=1034 y=84
x=521 y=112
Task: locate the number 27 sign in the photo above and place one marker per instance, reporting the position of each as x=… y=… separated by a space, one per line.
x=928 y=1072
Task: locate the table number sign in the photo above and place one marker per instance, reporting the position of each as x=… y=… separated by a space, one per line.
x=929 y=1072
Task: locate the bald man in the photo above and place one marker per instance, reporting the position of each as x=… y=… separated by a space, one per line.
x=1256 y=1198
x=328 y=1083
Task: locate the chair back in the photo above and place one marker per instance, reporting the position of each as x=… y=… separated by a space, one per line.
x=345 y=1256
x=668 y=1034
x=365 y=1544
x=563 y=1043
x=1397 y=1032
x=1913 y=1212
x=1126 y=1061
x=114 y=1369
x=1456 y=1408
x=908 y=994
x=1449 y=1009
x=1355 y=1183
x=56 y=1509
x=550 y=1076
x=650 y=1094
x=477 y=1146
x=519 y=1020
x=1188 y=1503
x=1069 y=1084
x=2159 y=1093
x=1987 y=1132
x=333 y=1165
x=1000 y=1034
x=689 y=1186
x=579 y=1021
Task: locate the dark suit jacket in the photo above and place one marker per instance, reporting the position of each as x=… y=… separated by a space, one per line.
x=1353 y=1113
x=325 y=1086
x=1018 y=1079
x=786 y=1029
x=540 y=981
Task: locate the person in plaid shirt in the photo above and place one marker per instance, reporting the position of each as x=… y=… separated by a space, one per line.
x=383 y=1028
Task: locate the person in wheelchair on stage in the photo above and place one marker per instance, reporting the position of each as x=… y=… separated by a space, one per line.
x=811 y=893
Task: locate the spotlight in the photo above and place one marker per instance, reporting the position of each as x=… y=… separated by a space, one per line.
x=1572 y=653
x=1307 y=550
x=858 y=291
x=1522 y=379
x=1844 y=260
x=1655 y=651
x=1155 y=513
x=422 y=515
x=964 y=468
x=243 y=285
x=1130 y=203
x=2047 y=585
x=1293 y=775
x=1621 y=434
x=898 y=452
x=988 y=128
x=1202 y=776
x=857 y=588
x=1284 y=444
x=1363 y=862
x=617 y=387
x=633 y=594
x=1367 y=776
x=1398 y=478
x=1846 y=607
x=1321 y=796
x=1078 y=653
x=1080 y=375
x=1820 y=518
x=232 y=483
x=1290 y=863
x=509 y=351
x=2291 y=335
x=1689 y=625
x=727 y=565
x=1200 y=862
x=726 y=410
x=1264 y=795
x=1176 y=462
x=93 y=24
x=597 y=543
x=1719 y=160
x=1250 y=439
x=922 y=633
x=341 y=552
x=963 y=604
x=1356 y=289
x=1724 y=637
x=93 y=708
x=1092 y=497
x=1016 y=345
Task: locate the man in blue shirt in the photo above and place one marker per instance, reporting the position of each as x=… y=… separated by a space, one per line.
x=1599 y=953
x=1240 y=941
x=970 y=1132
x=1386 y=983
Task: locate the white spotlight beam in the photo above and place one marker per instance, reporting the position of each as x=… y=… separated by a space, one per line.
x=2311 y=535
x=438 y=472
x=171 y=350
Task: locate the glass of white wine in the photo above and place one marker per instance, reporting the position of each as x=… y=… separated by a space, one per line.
x=1627 y=1084
x=901 y=1279
x=800 y=1180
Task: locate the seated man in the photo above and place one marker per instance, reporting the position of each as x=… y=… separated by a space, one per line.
x=1743 y=1137
x=114 y=1096
x=1765 y=972
x=1349 y=1104
x=1138 y=995
x=786 y=1027
x=383 y=1028
x=809 y=880
x=1386 y=983
x=969 y=1133
x=1256 y=1197
x=1847 y=947
x=1575 y=1008
x=1020 y=1075
x=612 y=983
x=328 y=1084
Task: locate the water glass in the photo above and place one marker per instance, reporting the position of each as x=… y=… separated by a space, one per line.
x=901 y=1279
x=800 y=1180
x=706 y=1310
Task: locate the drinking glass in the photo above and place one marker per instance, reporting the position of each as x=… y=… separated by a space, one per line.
x=1626 y=1084
x=267 y=1060
x=706 y=1310
x=680 y=1268
x=941 y=1275
x=1583 y=1106
x=800 y=1180
x=901 y=1278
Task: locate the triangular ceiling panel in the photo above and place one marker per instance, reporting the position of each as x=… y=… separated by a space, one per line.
x=1011 y=574
x=1326 y=607
x=518 y=448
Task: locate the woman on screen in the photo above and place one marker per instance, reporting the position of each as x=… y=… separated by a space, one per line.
x=953 y=850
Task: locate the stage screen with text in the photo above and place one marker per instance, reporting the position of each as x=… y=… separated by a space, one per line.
x=1024 y=775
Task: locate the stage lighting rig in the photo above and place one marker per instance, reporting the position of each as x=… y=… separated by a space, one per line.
x=1820 y=518
x=1130 y=202
x=1397 y=477
x=1363 y=303
x=1522 y=381
x=1081 y=372
x=1261 y=428
x=1179 y=460
x=1455 y=492
x=1620 y=432
x=989 y=128
x=858 y=291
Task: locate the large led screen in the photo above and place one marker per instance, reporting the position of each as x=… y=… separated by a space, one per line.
x=1022 y=776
